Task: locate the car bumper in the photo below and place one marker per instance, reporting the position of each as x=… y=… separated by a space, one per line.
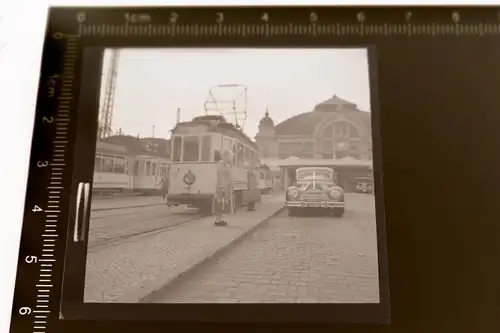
x=315 y=204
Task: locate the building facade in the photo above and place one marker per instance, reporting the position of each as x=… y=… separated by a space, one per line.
x=336 y=133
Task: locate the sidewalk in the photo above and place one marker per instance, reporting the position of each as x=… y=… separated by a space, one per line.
x=124 y=202
x=133 y=271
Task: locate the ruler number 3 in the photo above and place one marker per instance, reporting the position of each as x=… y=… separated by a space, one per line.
x=220 y=17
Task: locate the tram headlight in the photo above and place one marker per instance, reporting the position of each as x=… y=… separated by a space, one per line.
x=335 y=194
x=189 y=178
x=292 y=194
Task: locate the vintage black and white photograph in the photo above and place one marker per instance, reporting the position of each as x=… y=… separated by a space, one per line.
x=234 y=176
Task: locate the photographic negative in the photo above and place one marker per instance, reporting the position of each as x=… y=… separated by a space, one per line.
x=234 y=176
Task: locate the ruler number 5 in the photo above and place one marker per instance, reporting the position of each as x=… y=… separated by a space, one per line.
x=219 y=17
x=31 y=259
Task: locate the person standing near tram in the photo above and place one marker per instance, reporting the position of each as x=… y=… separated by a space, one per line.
x=252 y=188
x=165 y=183
x=224 y=190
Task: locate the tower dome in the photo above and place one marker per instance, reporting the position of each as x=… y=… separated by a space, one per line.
x=266 y=120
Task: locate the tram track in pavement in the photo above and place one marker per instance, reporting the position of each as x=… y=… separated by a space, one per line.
x=103 y=209
x=104 y=243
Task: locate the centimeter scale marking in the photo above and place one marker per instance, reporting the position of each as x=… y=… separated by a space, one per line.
x=291 y=29
x=47 y=259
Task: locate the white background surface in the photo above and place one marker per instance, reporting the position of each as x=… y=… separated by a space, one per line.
x=22 y=27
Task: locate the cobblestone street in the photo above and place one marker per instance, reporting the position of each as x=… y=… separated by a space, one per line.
x=301 y=259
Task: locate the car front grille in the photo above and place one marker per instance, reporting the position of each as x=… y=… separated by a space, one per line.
x=313 y=196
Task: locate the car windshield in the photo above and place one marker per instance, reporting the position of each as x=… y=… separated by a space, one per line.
x=314 y=174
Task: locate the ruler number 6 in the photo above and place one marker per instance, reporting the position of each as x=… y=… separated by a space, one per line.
x=24 y=311
x=173 y=17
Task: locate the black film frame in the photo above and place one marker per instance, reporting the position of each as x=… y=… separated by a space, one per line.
x=82 y=131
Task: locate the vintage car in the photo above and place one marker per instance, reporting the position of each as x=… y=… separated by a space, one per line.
x=314 y=187
x=364 y=185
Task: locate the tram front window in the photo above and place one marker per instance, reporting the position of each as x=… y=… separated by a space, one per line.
x=206 y=148
x=191 y=148
x=177 y=149
x=120 y=165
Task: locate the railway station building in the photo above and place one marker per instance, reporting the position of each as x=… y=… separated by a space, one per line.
x=334 y=134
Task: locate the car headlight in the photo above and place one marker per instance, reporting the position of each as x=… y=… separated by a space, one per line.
x=293 y=194
x=335 y=194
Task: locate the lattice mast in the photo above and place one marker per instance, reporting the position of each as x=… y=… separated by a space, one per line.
x=106 y=113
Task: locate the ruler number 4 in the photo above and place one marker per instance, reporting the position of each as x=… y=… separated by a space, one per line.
x=37 y=209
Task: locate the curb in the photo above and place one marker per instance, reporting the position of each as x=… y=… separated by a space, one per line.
x=149 y=298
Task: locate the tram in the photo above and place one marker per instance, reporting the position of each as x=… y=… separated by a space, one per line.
x=193 y=166
x=266 y=179
x=122 y=166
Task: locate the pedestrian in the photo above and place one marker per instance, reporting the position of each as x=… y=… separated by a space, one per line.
x=252 y=188
x=223 y=191
x=164 y=187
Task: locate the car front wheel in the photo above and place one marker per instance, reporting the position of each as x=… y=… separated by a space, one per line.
x=293 y=211
x=338 y=212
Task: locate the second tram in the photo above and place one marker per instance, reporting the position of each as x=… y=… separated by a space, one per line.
x=266 y=179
